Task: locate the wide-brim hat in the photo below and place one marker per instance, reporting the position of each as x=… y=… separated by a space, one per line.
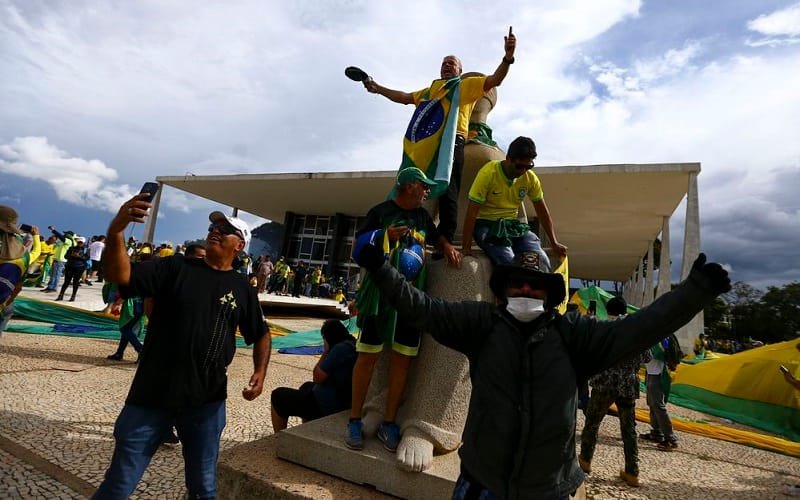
x=527 y=265
x=8 y=220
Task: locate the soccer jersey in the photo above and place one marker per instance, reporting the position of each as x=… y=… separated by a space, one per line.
x=498 y=196
x=471 y=91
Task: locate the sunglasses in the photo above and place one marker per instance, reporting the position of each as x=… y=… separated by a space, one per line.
x=225 y=229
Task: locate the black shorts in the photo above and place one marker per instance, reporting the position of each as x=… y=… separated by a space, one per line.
x=300 y=402
x=406 y=339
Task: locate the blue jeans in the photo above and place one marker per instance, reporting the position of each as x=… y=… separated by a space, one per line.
x=55 y=275
x=127 y=334
x=139 y=431
x=500 y=254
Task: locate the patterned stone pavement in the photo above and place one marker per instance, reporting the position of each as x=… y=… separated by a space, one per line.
x=59 y=398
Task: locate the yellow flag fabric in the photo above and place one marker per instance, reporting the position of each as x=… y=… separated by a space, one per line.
x=746 y=387
x=563 y=270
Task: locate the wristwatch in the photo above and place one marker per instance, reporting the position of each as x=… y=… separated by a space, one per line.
x=507 y=60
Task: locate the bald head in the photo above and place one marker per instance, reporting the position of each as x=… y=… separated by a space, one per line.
x=451 y=67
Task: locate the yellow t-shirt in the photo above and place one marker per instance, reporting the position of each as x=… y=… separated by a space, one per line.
x=47 y=251
x=471 y=91
x=498 y=196
x=166 y=252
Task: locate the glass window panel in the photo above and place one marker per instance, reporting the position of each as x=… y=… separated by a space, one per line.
x=305 y=246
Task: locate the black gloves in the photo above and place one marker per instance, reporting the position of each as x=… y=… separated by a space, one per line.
x=370 y=258
x=716 y=275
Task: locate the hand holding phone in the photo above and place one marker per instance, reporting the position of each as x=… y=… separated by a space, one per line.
x=25 y=228
x=149 y=188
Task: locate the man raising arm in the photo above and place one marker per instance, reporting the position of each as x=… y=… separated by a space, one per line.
x=198 y=304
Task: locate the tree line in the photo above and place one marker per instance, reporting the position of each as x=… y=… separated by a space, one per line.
x=747 y=313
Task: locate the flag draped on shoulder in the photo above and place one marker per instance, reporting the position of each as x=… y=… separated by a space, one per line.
x=431 y=133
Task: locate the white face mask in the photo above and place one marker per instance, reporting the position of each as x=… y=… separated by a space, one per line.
x=525 y=309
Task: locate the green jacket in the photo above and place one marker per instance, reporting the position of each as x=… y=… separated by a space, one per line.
x=519 y=438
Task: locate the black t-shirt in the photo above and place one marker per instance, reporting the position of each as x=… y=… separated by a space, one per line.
x=191 y=334
x=389 y=213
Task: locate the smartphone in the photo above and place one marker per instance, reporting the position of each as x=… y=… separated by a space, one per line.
x=150 y=188
x=783 y=369
x=25 y=228
x=592 y=307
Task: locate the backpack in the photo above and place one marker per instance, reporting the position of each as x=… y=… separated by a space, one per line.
x=672 y=351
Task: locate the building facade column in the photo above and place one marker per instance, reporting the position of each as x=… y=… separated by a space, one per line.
x=647 y=294
x=150 y=222
x=639 y=285
x=664 y=263
x=691 y=249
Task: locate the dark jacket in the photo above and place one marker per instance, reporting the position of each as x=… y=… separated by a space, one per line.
x=519 y=438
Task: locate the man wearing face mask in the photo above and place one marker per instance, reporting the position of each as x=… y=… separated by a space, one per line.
x=525 y=359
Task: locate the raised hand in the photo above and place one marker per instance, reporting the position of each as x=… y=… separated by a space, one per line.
x=717 y=276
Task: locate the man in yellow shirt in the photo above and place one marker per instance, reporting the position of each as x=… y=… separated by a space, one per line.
x=494 y=199
x=471 y=89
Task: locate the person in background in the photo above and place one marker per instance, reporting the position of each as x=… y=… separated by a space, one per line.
x=64 y=242
x=618 y=385
x=14 y=261
x=263 y=272
x=77 y=258
x=330 y=389
x=96 y=248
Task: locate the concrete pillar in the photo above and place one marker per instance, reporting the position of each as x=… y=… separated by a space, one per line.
x=691 y=249
x=647 y=294
x=664 y=266
x=691 y=232
x=639 y=286
x=150 y=222
x=627 y=290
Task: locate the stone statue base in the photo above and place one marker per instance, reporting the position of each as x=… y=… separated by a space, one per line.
x=320 y=445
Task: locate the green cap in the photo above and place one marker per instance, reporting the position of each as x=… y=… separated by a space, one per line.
x=412 y=174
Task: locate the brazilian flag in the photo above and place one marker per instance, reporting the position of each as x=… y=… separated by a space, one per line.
x=431 y=134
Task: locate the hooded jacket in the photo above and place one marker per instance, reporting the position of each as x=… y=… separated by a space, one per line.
x=519 y=437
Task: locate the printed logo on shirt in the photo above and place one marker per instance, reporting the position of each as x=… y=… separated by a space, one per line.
x=521 y=194
x=220 y=328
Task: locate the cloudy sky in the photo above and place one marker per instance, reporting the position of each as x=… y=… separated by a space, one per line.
x=97 y=97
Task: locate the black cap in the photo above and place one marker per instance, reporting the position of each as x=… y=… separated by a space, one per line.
x=527 y=265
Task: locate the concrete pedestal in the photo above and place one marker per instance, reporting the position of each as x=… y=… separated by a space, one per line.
x=320 y=445
x=254 y=471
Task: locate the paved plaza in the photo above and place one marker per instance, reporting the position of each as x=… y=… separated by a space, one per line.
x=59 y=398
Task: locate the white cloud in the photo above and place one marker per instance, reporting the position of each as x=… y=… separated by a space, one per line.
x=781 y=27
x=75 y=180
x=170 y=88
x=781 y=22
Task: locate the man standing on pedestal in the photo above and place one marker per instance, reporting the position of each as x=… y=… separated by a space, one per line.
x=434 y=140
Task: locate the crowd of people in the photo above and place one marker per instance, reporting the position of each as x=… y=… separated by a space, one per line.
x=526 y=359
